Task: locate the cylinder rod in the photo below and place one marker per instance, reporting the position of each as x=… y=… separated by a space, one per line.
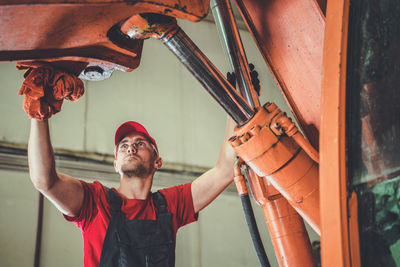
x=208 y=75
x=230 y=37
x=164 y=28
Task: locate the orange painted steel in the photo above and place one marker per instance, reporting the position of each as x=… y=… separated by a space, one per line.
x=291 y=130
x=335 y=243
x=290 y=35
x=258 y=186
x=286 y=228
x=239 y=180
x=353 y=231
x=270 y=152
x=62 y=30
x=141 y=26
x=183 y=9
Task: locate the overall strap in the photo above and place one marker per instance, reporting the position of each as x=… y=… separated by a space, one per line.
x=110 y=252
x=114 y=200
x=159 y=203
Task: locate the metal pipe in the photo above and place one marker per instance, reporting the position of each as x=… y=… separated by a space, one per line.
x=229 y=34
x=164 y=28
x=39 y=228
x=208 y=75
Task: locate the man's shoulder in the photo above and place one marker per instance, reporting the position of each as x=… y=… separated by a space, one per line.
x=95 y=187
x=177 y=189
x=180 y=202
x=177 y=194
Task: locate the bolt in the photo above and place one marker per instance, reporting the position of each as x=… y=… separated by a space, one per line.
x=94 y=73
x=255 y=130
x=270 y=107
x=244 y=137
x=234 y=141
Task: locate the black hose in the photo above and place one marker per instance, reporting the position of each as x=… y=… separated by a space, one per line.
x=254 y=233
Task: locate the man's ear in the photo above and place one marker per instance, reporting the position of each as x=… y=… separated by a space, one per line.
x=115 y=165
x=158 y=163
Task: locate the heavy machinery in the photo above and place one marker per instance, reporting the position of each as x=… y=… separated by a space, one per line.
x=336 y=63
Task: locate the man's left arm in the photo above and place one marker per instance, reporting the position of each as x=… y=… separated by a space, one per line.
x=210 y=184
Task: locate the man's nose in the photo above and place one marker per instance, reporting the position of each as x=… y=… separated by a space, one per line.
x=132 y=148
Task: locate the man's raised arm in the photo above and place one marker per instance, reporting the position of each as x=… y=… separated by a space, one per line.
x=65 y=192
x=210 y=184
x=45 y=89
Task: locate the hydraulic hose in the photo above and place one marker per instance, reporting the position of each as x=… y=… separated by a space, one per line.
x=249 y=215
x=253 y=229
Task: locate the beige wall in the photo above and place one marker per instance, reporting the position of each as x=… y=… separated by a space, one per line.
x=188 y=126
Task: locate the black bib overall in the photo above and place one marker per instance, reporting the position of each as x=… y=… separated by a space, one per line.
x=138 y=243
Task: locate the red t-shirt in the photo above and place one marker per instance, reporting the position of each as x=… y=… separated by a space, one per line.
x=95 y=214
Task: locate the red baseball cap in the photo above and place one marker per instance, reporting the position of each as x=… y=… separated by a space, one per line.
x=132 y=127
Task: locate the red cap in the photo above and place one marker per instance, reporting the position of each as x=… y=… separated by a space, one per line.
x=132 y=127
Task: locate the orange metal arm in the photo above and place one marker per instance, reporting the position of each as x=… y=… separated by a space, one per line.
x=290 y=37
x=78 y=31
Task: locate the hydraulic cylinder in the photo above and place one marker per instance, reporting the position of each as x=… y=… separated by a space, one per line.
x=286 y=228
x=264 y=146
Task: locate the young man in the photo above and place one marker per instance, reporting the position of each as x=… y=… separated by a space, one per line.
x=128 y=225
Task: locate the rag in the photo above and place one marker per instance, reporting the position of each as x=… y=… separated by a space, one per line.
x=45 y=89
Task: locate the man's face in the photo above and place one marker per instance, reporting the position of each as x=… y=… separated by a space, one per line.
x=136 y=156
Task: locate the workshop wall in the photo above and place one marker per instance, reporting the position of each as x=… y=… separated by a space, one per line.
x=188 y=126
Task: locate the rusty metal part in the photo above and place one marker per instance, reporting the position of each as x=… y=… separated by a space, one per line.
x=335 y=250
x=52 y=37
x=290 y=35
x=63 y=30
x=280 y=159
x=183 y=9
x=233 y=47
x=149 y=25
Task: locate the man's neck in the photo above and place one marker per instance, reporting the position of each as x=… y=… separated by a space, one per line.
x=135 y=187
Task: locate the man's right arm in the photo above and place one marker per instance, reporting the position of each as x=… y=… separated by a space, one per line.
x=64 y=191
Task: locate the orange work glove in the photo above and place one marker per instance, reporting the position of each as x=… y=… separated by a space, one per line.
x=45 y=88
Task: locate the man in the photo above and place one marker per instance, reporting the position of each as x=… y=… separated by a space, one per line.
x=127 y=226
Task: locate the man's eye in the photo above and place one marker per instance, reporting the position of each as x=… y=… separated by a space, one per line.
x=141 y=144
x=124 y=146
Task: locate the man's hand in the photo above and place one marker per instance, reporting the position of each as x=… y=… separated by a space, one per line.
x=45 y=88
x=210 y=184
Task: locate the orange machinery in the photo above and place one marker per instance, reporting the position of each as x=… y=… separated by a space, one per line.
x=305 y=43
